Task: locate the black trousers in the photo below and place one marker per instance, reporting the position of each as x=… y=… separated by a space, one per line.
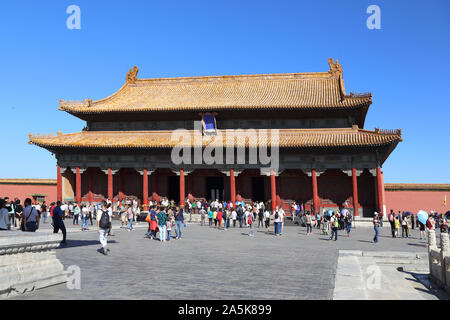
x=393 y=229
x=57 y=225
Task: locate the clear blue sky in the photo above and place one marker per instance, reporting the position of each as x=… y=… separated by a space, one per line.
x=406 y=64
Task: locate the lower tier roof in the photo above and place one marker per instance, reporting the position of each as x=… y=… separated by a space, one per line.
x=287 y=138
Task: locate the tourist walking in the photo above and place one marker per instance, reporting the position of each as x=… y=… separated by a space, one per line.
x=30 y=217
x=376 y=226
x=277 y=222
x=44 y=212
x=76 y=214
x=219 y=218
x=84 y=218
x=103 y=225
x=267 y=220
x=233 y=217
x=334 y=224
x=130 y=217
x=202 y=216
x=250 y=223
x=58 y=223
x=396 y=226
x=179 y=221
x=5 y=223
x=161 y=219
x=308 y=222
x=423 y=234
x=404 y=226
x=391 y=218
x=170 y=223
x=210 y=216
x=153 y=222
x=240 y=214
x=348 y=223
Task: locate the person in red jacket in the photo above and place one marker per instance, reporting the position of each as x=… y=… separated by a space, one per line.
x=219 y=218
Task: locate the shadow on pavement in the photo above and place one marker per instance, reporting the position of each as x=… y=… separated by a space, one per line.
x=82 y=243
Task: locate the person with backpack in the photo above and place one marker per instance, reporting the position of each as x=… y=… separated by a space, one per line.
x=103 y=226
x=334 y=223
x=240 y=214
x=162 y=220
x=349 y=221
x=277 y=221
x=58 y=223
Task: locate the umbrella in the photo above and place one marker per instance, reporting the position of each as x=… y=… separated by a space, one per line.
x=329 y=212
x=407 y=213
x=422 y=216
x=447 y=213
x=344 y=212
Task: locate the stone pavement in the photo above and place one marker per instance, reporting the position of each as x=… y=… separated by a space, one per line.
x=212 y=264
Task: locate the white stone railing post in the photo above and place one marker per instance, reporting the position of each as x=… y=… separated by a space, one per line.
x=445 y=251
x=431 y=246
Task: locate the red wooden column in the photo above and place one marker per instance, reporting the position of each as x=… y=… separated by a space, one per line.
x=145 y=189
x=182 y=194
x=90 y=194
x=315 y=191
x=380 y=187
x=355 y=192
x=78 y=185
x=273 y=189
x=110 y=185
x=58 y=184
x=233 y=188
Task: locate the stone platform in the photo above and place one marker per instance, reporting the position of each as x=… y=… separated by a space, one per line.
x=28 y=262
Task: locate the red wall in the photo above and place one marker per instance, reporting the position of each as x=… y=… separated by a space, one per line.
x=414 y=201
x=23 y=191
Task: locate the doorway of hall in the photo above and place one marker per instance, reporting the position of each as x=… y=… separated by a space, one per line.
x=258 y=189
x=173 y=184
x=215 y=188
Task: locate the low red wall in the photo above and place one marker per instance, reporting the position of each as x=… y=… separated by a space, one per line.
x=23 y=191
x=414 y=201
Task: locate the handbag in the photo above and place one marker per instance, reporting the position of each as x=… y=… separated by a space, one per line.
x=148 y=218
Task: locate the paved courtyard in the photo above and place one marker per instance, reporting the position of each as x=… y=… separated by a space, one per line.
x=212 y=264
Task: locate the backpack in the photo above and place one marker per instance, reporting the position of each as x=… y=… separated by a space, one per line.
x=104 y=220
x=276 y=215
x=336 y=223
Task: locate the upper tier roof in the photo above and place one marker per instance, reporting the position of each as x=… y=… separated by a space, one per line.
x=320 y=90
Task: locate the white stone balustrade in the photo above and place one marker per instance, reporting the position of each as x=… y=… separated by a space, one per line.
x=28 y=262
x=439 y=260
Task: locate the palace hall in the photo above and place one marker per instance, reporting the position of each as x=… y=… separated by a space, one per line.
x=326 y=159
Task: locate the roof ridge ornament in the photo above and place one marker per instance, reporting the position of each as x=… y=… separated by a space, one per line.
x=335 y=67
x=336 y=70
x=132 y=75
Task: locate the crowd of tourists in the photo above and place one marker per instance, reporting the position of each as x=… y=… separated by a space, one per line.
x=164 y=216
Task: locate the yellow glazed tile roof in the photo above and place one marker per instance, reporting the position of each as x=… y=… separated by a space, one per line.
x=288 y=138
x=266 y=91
